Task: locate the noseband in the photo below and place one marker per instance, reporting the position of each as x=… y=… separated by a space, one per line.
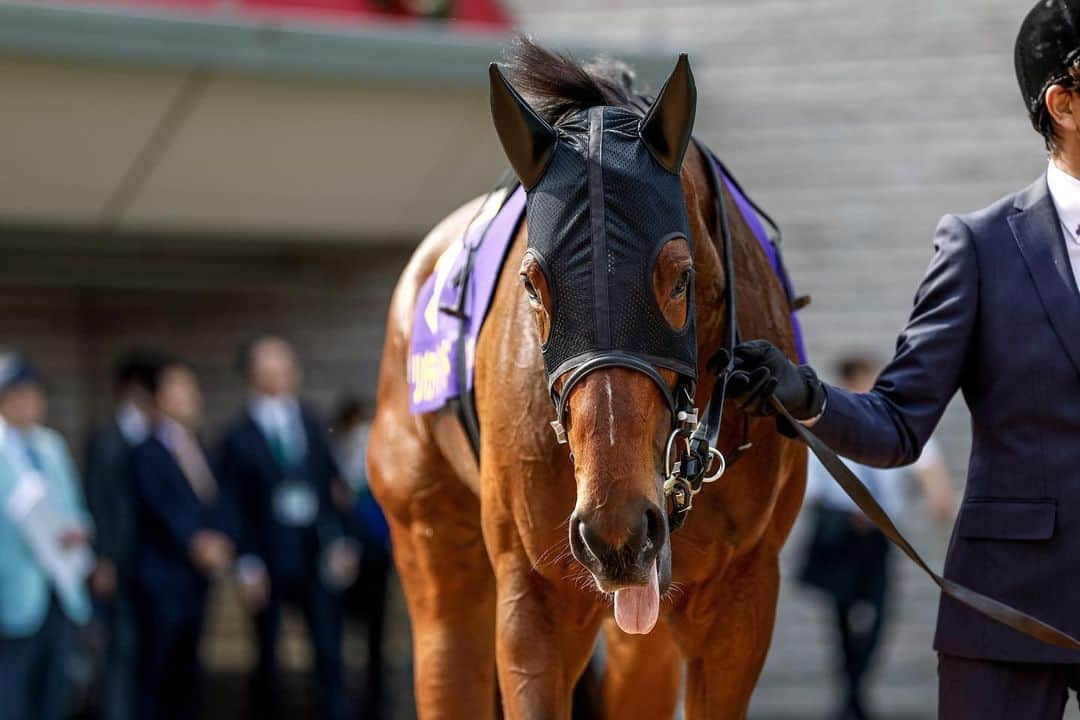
x=599 y=362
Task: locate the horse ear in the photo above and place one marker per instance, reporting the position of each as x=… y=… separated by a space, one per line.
x=529 y=142
x=669 y=124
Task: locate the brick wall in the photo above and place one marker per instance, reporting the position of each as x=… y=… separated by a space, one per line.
x=74 y=310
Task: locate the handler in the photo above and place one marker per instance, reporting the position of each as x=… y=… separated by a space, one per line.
x=997 y=316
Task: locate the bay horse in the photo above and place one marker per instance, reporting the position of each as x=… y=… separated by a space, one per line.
x=511 y=562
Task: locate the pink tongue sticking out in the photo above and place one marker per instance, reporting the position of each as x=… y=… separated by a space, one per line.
x=637 y=608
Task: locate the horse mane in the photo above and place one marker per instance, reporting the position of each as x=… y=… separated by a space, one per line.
x=557 y=86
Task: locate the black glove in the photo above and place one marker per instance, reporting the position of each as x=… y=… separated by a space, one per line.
x=762 y=370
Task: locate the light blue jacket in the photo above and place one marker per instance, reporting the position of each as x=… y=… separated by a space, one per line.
x=25 y=590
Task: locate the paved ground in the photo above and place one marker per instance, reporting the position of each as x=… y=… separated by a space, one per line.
x=797 y=678
x=796 y=684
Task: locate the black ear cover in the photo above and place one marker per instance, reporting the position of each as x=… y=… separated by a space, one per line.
x=527 y=139
x=667 y=128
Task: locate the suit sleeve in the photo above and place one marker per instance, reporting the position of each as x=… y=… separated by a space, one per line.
x=888 y=426
x=162 y=500
x=100 y=486
x=237 y=502
x=330 y=526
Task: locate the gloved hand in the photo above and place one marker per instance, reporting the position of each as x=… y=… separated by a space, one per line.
x=762 y=370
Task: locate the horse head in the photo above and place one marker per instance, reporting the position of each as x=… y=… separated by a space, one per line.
x=609 y=275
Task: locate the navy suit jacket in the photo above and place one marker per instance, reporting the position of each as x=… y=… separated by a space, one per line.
x=997 y=317
x=249 y=474
x=169 y=514
x=111 y=497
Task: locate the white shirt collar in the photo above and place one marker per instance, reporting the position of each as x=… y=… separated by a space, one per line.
x=1065 y=191
x=279 y=417
x=133 y=423
x=273 y=412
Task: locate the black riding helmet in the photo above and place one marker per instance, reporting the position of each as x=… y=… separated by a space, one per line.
x=1046 y=49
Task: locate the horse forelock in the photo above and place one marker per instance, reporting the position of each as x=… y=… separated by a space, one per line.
x=557 y=86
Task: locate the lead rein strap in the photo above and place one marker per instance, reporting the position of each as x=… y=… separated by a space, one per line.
x=709 y=430
x=847 y=480
x=864 y=500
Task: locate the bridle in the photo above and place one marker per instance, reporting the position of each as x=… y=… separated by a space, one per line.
x=688 y=475
x=549 y=171
x=532 y=146
x=691 y=458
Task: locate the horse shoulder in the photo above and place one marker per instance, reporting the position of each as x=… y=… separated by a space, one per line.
x=422 y=264
x=409 y=453
x=527 y=480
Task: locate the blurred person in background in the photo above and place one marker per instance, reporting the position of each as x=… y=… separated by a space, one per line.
x=848 y=558
x=278 y=470
x=44 y=551
x=111 y=496
x=182 y=547
x=367 y=596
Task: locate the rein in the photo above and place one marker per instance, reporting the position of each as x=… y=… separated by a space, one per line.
x=690 y=473
x=700 y=462
x=864 y=500
x=687 y=477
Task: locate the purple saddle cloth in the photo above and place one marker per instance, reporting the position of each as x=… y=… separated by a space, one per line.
x=433 y=349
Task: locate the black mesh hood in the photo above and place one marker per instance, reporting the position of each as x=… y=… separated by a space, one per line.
x=596 y=221
x=1047 y=46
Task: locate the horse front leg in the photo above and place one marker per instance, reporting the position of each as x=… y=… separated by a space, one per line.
x=724 y=628
x=450 y=596
x=449 y=587
x=642 y=673
x=545 y=632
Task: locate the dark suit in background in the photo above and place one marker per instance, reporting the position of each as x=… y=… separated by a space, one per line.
x=998 y=317
x=111 y=498
x=252 y=473
x=170 y=591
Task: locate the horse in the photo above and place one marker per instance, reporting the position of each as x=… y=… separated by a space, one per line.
x=511 y=559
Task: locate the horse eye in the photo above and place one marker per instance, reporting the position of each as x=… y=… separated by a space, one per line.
x=681 y=285
x=530 y=290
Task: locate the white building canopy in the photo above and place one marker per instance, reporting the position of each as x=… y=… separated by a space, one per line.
x=149 y=124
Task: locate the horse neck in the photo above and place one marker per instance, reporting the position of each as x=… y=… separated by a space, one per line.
x=710 y=275
x=762 y=304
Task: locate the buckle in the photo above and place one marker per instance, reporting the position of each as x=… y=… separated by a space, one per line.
x=687 y=420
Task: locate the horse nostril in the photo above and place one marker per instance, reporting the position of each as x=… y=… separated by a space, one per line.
x=591 y=541
x=655 y=526
x=618 y=552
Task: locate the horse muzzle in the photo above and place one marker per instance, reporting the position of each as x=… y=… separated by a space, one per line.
x=619 y=551
x=635 y=569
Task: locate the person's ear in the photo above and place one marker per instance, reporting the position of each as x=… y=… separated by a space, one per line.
x=1063 y=107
